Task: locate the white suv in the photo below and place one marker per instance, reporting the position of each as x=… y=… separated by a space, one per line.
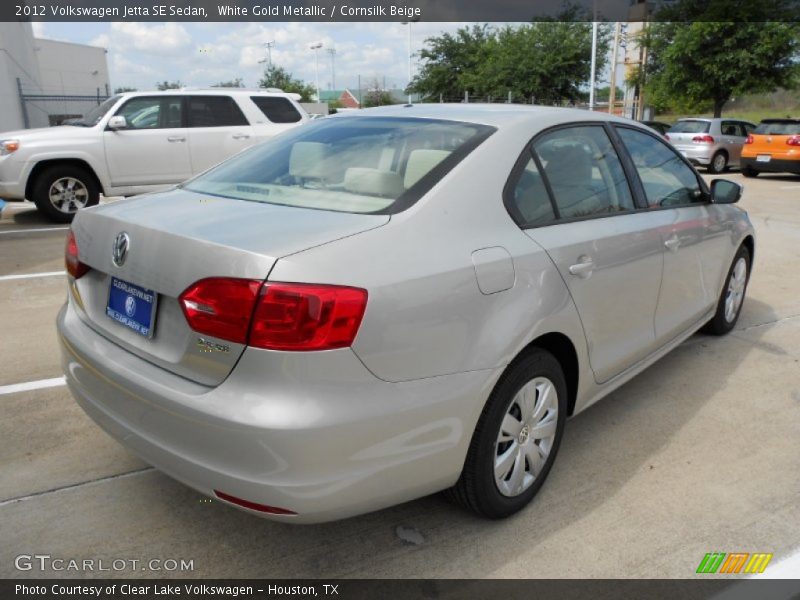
x=138 y=142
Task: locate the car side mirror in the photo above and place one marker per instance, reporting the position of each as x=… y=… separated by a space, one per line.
x=117 y=122
x=724 y=191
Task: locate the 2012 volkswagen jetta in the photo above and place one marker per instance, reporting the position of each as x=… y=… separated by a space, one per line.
x=382 y=305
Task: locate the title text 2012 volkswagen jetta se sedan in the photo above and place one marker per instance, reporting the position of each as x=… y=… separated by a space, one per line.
x=375 y=307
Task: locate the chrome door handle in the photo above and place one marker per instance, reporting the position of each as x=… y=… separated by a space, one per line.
x=241 y=136
x=583 y=268
x=673 y=243
x=176 y=138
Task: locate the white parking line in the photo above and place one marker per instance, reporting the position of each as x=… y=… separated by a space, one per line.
x=34 y=230
x=31 y=275
x=790 y=187
x=41 y=384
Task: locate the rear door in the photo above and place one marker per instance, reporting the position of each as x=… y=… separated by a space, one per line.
x=608 y=254
x=152 y=150
x=217 y=130
x=695 y=234
x=733 y=137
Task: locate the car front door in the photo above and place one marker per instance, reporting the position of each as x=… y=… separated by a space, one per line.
x=695 y=234
x=217 y=130
x=152 y=148
x=608 y=254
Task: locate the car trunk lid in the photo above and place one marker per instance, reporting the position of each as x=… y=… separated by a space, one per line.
x=176 y=238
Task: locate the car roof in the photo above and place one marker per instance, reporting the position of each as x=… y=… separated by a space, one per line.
x=208 y=92
x=496 y=115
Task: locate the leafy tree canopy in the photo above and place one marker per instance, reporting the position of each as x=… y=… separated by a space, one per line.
x=123 y=89
x=238 y=82
x=549 y=61
x=699 y=63
x=169 y=85
x=278 y=77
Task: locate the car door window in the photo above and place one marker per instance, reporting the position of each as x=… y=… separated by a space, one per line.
x=729 y=128
x=583 y=171
x=666 y=178
x=141 y=113
x=214 y=111
x=527 y=197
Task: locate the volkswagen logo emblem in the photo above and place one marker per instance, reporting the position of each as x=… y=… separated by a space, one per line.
x=119 y=252
x=130 y=306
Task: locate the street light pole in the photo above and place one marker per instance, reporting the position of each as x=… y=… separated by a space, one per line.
x=315 y=47
x=594 y=64
x=408 y=23
x=332 y=52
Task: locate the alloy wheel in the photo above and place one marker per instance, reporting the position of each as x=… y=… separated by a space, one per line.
x=68 y=194
x=735 y=293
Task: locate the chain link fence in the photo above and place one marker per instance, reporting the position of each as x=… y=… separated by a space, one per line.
x=56 y=107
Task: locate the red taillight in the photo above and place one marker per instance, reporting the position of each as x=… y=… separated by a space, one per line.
x=793 y=140
x=71 y=263
x=221 y=307
x=298 y=316
x=749 y=139
x=703 y=139
x=275 y=316
x=273 y=510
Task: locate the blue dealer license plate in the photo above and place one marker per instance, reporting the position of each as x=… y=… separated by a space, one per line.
x=132 y=306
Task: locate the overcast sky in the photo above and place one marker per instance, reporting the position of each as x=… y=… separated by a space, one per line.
x=200 y=54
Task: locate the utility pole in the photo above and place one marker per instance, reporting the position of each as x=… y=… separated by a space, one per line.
x=613 y=83
x=408 y=24
x=593 y=67
x=332 y=52
x=268 y=59
x=315 y=46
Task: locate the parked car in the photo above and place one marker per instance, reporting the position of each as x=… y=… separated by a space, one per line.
x=715 y=144
x=660 y=126
x=383 y=304
x=774 y=147
x=137 y=142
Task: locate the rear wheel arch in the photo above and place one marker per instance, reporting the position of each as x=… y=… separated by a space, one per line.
x=562 y=348
x=42 y=165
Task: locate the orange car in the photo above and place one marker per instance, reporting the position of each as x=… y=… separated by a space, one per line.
x=774 y=147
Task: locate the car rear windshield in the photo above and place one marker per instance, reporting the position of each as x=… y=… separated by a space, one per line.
x=690 y=127
x=778 y=128
x=277 y=109
x=349 y=164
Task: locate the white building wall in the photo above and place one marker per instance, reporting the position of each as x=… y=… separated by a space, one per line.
x=18 y=60
x=68 y=68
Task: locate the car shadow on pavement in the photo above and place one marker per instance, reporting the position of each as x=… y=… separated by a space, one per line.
x=603 y=448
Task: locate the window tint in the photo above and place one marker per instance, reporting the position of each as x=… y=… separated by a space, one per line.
x=748 y=128
x=690 y=126
x=730 y=128
x=145 y=112
x=778 y=128
x=276 y=109
x=214 y=111
x=667 y=180
x=584 y=172
x=529 y=197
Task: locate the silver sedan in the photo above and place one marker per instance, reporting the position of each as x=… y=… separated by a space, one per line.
x=394 y=302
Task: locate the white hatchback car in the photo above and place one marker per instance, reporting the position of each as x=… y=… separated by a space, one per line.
x=138 y=142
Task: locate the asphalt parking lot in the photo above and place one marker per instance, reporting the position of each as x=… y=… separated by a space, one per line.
x=700 y=453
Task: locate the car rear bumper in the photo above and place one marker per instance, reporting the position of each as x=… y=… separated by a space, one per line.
x=697 y=154
x=773 y=166
x=315 y=433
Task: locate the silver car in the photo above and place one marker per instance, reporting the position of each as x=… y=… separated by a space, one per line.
x=715 y=144
x=393 y=302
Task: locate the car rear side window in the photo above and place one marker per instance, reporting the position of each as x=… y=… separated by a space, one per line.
x=277 y=109
x=583 y=172
x=214 y=111
x=527 y=196
x=666 y=178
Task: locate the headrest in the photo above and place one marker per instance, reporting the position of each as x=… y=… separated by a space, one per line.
x=373 y=182
x=308 y=160
x=420 y=162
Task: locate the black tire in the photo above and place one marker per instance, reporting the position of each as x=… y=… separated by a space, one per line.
x=476 y=489
x=749 y=172
x=65 y=212
x=718 y=164
x=720 y=324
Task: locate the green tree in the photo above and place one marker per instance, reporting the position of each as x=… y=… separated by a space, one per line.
x=123 y=89
x=169 y=85
x=233 y=83
x=549 y=61
x=278 y=77
x=697 y=63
